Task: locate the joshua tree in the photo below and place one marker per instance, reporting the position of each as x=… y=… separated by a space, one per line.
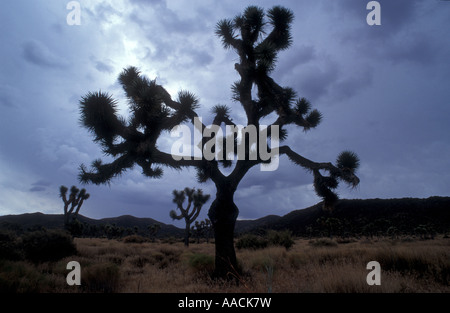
x=257 y=37
x=153 y=230
x=207 y=229
x=197 y=230
x=202 y=229
x=75 y=201
x=330 y=223
x=196 y=199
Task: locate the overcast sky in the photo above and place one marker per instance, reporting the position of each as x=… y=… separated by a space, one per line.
x=384 y=92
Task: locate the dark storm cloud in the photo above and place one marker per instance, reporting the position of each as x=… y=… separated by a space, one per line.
x=286 y=174
x=8 y=94
x=43 y=183
x=39 y=54
x=299 y=55
x=37 y=189
x=416 y=48
x=320 y=79
x=40 y=185
x=400 y=37
x=179 y=45
x=104 y=68
x=352 y=83
x=292 y=60
x=317 y=80
x=201 y=57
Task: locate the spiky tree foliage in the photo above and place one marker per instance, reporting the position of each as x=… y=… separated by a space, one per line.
x=195 y=202
x=257 y=37
x=75 y=201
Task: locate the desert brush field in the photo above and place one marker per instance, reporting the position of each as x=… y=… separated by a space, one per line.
x=321 y=265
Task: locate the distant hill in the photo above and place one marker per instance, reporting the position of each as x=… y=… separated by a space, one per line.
x=244 y=226
x=370 y=216
x=53 y=221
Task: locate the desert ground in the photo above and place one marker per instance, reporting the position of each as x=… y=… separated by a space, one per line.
x=323 y=265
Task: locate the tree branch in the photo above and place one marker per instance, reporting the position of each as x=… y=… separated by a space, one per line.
x=323 y=184
x=304 y=162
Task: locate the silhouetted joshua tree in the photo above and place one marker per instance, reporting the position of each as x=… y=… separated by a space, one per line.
x=153 y=230
x=75 y=201
x=202 y=229
x=257 y=37
x=195 y=201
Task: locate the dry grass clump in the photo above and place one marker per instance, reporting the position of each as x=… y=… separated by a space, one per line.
x=101 y=277
x=323 y=242
x=321 y=265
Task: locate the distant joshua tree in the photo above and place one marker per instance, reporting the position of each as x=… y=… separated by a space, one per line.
x=196 y=199
x=153 y=230
x=75 y=201
x=257 y=36
x=202 y=229
x=332 y=224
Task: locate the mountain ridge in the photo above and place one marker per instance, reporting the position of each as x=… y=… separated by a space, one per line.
x=351 y=216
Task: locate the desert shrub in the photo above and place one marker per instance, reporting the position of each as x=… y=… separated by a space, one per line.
x=280 y=238
x=114 y=258
x=201 y=262
x=261 y=261
x=170 y=240
x=9 y=246
x=21 y=277
x=250 y=241
x=421 y=264
x=297 y=260
x=346 y=240
x=273 y=238
x=165 y=256
x=135 y=239
x=101 y=277
x=157 y=257
x=171 y=254
x=47 y=245
x=442 y=272
x=139 y=261
x=323 y=242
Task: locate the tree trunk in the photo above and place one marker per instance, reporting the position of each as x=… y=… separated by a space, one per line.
x=186 y=234
x=223 y=214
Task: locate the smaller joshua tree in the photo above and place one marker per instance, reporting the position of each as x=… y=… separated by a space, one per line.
x=202 y=229
x=75 y=201
x=153 y=230
x=196 y=199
